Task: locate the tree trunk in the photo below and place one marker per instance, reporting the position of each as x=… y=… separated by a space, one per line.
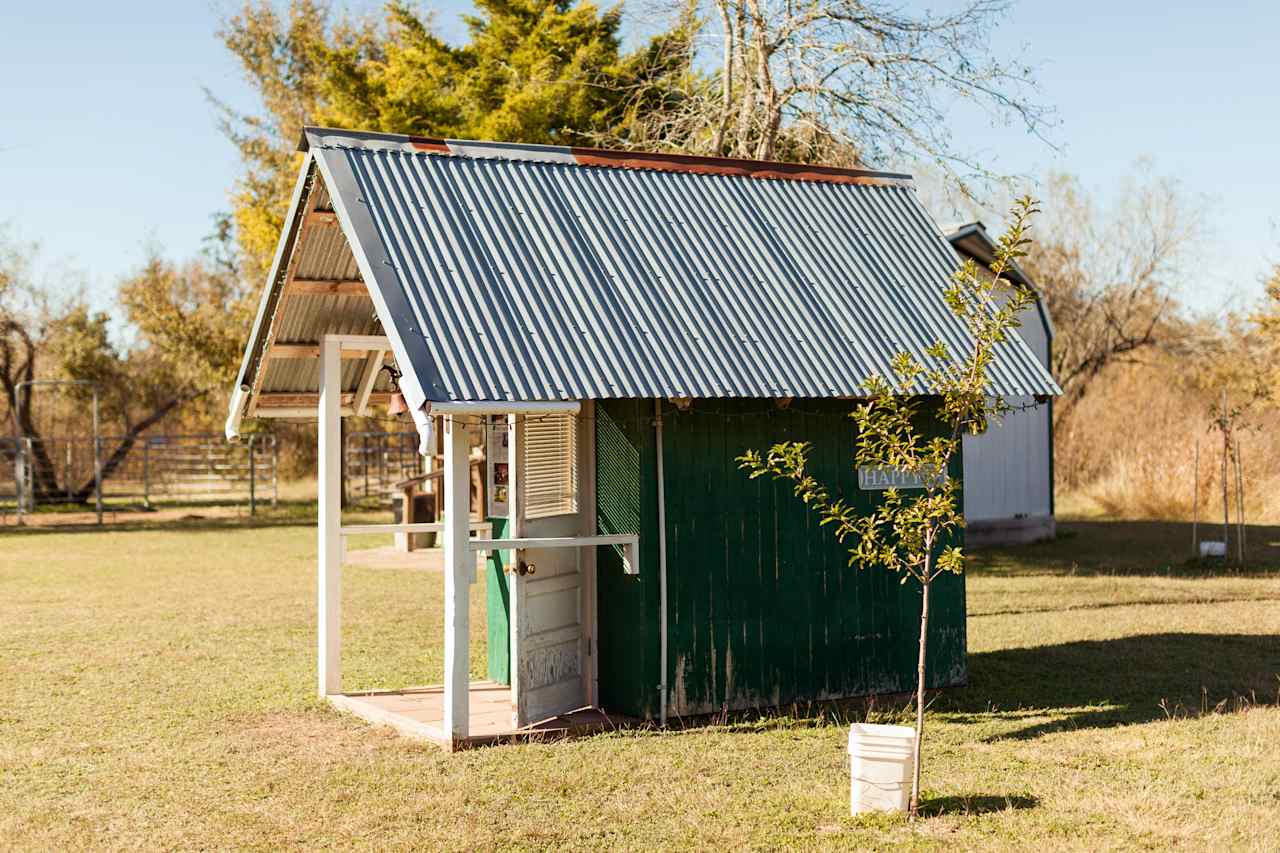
x=43 y=473
x=726 y=83
x=768 y=93
x=17 y=367
x=746 y=100
x=121 y=452
x=924 y=634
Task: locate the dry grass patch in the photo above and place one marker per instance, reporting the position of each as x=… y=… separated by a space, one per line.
x=157 y=690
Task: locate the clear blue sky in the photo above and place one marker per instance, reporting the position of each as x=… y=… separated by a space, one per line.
x=107 y=142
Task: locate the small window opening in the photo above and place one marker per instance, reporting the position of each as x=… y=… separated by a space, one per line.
x=550 y=476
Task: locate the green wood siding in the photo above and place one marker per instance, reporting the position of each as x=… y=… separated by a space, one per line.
x=498 y=602
x=763 y=608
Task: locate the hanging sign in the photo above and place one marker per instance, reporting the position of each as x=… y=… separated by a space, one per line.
x=877 y=478
x=497 y=464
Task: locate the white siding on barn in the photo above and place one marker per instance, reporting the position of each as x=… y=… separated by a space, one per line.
x=1007 y=472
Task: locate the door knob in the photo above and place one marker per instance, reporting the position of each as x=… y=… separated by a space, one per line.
x=524 y=568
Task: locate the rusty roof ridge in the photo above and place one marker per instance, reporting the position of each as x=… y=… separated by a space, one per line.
x=339 y=139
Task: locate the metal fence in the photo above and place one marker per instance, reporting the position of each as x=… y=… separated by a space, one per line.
x=162 y=467
x=373 y=462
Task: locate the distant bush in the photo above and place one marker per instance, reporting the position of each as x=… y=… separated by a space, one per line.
x=1127 y=449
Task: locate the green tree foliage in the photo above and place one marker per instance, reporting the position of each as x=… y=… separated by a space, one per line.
x=533 y=71
x=537 y=71
x=284 y=60
x=896 y=427
x=191 y=318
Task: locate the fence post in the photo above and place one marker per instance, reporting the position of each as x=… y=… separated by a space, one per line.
x=29 y=481
x=253 y=498
x=275 y=472
x=146 y=473
x=19 y=477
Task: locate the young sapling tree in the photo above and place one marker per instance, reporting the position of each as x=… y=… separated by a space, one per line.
x=913 y=423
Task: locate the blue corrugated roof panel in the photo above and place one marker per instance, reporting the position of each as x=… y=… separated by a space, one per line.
x=518 y=273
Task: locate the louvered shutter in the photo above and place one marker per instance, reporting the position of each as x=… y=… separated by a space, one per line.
x=550 y=475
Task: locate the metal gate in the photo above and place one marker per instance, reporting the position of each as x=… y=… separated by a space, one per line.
x=198 y=467
x=373 y=462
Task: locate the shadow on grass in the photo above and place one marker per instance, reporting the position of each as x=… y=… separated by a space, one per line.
x=976 y=804
x=1104 y=683
x=1086 y=548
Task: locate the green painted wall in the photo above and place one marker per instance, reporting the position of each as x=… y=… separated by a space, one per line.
x=499 y=609
x=763 y=607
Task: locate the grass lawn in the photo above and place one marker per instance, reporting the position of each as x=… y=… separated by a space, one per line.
x=157 y=691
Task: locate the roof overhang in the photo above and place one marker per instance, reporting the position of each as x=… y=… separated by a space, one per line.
x=972 y=240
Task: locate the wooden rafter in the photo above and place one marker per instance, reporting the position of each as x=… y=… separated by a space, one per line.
x=303 y=351
x=321 y=217
x=277 y=400
x=326 y=287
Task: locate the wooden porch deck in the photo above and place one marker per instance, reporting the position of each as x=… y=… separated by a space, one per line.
x=418 y=713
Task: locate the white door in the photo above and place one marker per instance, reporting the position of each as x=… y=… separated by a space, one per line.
x=548 y=605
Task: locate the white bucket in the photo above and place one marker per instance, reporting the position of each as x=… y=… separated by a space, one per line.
x=1213 y=549
x=880 y=765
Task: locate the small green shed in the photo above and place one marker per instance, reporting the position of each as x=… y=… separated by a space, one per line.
x=613 y=329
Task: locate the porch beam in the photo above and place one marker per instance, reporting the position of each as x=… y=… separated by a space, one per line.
x=312 y=351
x=296 y=412
x=459 y=566
x=329 y=562
x=362 y=342
x=289 y=400
x=326 y=287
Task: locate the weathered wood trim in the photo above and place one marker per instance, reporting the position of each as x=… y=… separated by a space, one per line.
x=326 y=287
x=313 y=351
x=266 y=402
x=381 y=717
x=321 y=217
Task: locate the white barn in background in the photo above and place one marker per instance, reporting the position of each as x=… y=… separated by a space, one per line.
x=1008 y=471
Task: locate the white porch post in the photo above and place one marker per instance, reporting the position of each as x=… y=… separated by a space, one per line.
x=329 y=564
x=515 y=530
x=459 y=564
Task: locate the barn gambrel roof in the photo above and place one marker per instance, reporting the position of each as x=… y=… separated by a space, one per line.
x=523 y=273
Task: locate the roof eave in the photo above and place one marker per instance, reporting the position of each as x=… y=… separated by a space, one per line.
x=251 y=360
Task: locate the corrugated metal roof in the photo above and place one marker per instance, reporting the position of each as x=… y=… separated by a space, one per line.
x=539 y=279
x=506 y=272
x=971 y=240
